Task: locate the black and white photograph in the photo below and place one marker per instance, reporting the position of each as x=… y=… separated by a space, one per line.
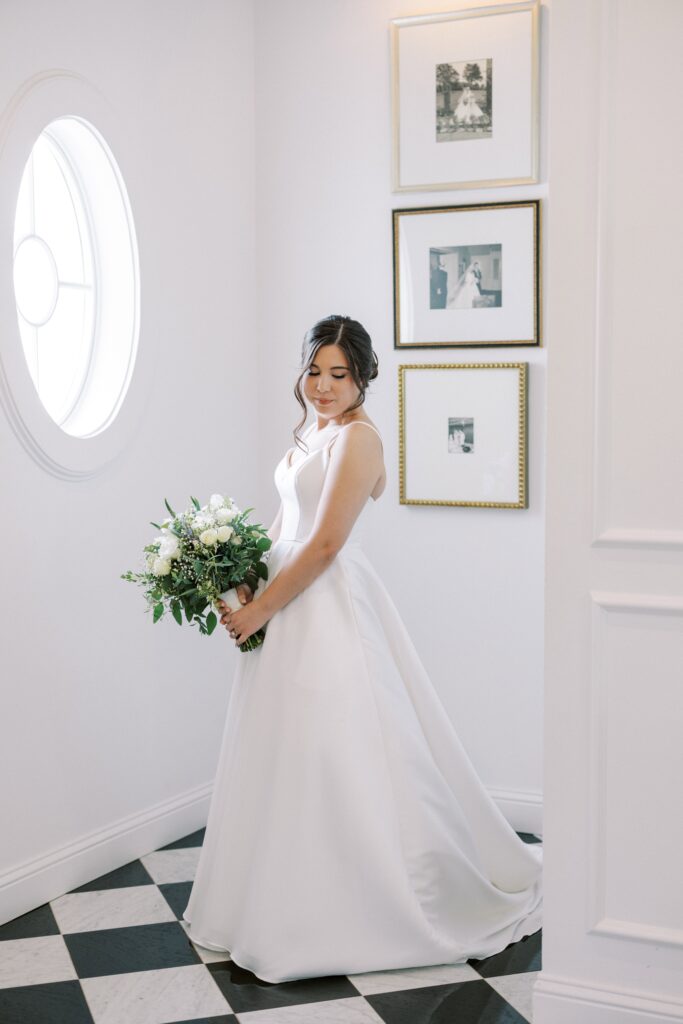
x=465 y=110
x=460 y=435
x=465 y=277
x=464 y=100
x=439 y=406
x=448 y=275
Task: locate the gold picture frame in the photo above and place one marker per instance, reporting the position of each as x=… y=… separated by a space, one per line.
x=501 y=242
x=500 y=145
x=463 y=434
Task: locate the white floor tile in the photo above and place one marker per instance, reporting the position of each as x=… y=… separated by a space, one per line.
x=517 y=989
x=332 y=1011
x=110 y=908
x=154 y=997
x=35 y=961
x=172 y=865
x=412 y=977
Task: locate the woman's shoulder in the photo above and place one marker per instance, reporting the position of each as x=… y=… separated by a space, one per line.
x=354 y=423
x=367 y=422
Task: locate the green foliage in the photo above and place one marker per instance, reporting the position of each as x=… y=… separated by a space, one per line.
x=196 y=573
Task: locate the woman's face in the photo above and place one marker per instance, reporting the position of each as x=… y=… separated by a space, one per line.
x=328 y=384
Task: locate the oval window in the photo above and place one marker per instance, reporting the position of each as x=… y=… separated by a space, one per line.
x=76 y=277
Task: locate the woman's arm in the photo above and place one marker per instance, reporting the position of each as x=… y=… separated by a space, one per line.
x=352 y=474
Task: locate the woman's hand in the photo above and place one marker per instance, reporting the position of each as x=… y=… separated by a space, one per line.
x=247 y=620
x=244 y=593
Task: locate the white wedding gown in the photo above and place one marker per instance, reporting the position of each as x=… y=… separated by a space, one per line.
x=348 y=830
x=467 y=110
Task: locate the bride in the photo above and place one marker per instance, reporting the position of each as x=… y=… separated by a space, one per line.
x=465 y=291
x=468 y=110
x=348 y=830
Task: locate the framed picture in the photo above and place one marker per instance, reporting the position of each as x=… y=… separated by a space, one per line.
x=465 y=98
x=462 y=434
x=467 y=275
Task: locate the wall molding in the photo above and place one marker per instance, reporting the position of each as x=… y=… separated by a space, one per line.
x=623 y=601
x=605 y=534
x=598 y=922
x=522 y=808
x=558 y=999
x=44 y=878
x=616 y=928
x=634 y=537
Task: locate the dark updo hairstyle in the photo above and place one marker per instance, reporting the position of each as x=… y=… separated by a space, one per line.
x=356 y=344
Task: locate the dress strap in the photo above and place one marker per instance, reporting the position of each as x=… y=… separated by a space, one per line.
x=337 y=432
x=366 y=424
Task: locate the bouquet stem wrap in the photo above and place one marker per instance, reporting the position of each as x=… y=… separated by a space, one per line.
x=233 y=602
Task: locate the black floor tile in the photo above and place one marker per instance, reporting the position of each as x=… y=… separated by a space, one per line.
x=517 y=958
x=60 y=1002
x=134 y=873
x=468 y=1002
x=194 y=839
x=146 y=947
x=244 y=991
x=35 y=923
x=177 y=895
x=224 y=1018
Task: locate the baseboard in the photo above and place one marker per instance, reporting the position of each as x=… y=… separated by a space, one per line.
x=559 y=1000
x=522 y=808
x=30 y=885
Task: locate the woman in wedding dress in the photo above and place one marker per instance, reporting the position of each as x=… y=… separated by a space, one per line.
x=348 y=830
x=465 y=291
x=468 y=110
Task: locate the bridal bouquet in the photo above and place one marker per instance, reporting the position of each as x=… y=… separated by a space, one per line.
x=201 y=556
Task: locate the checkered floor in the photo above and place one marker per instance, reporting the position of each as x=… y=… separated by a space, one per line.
x=115 y=952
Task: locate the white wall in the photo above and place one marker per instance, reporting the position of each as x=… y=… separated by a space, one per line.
x=472 y=595
x=613 y=903
x=110 y=726
x=258 y=168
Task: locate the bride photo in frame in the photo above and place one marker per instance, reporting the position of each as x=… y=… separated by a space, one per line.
x=463 y=434
x=465 y=98
x=467 y=275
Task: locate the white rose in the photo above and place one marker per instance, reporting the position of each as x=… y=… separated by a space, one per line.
x=169 y=547
x=224 y=515
x=208 y=538
x=236 y=540
x=216 y=501
x=161 y=567
x=224 y=533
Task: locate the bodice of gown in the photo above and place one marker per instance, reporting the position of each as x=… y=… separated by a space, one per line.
x=300 y=487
